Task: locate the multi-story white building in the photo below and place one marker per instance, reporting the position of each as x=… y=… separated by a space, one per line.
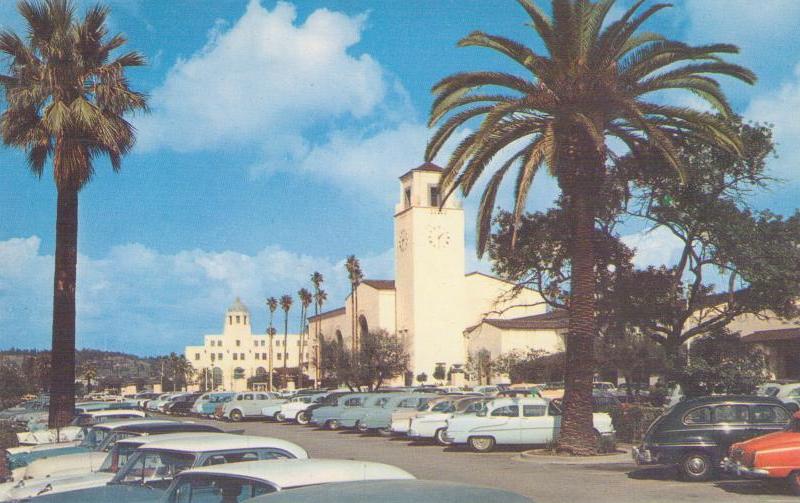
x=236 y=355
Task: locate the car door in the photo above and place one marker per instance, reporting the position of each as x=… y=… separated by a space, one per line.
x=766 y=418
x=248 y=404
x=536 y=426
x=503 y=423
x=730 y=425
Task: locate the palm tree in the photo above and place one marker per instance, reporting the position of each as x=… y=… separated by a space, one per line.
x=317 y=279
x=89 y=373
x=590 y=84
x=66 y=99
x=272 y=306
x=306 y=298
x=286 y=304
x=355 y=276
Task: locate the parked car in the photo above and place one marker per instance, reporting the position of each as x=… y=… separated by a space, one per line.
x=352 y=415
x=207 y=404
x=518 y=421
x=328 y=416
x=487 y=390
x=295 y=409
x=142 y=398
x=772 y=456
x=239 y=482
x=248 y=404
x=380 y=419
x=696 y=434
x=331 y=398
x=181 y=405
x=432 y=426
x=150 y=469
x=401 y=418
x=786 y=393
x=604 y=386
x=393 y=491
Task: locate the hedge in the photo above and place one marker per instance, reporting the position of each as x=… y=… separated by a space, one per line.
x=631 y=421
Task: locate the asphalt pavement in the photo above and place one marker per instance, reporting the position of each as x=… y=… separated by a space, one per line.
x=612 y=479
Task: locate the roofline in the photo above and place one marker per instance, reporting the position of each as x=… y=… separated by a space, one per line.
x=328 y=314
x=498 y=278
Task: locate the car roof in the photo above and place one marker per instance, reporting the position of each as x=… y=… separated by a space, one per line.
x=124 y=423
x=168 y=437
x=719 y=399
x=227 y=441
x=111 y=412
x=393 y=491
x=156 y=426
x=501 y=402
x=286 y=473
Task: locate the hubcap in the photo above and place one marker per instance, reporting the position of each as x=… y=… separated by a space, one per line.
x=481 y=443
x=696 y=466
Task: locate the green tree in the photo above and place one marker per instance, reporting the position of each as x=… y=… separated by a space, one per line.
x=89 y=373
x=422 y=378
x=272 y=306
x=594 y=81
x=66 y=99
x=286 y=305
x=439 y=373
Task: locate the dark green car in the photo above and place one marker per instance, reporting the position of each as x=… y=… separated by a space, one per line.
x=696 y=434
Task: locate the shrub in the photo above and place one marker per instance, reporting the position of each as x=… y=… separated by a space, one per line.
x=8 y=436
x=631 y=421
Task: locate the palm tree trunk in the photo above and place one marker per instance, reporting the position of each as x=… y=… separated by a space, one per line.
x=62 y=367
x=271 y=345
x=284 y=350
x=577 y=435
x=300 y=348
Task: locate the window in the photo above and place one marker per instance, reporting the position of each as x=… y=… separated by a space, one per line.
x=263 y=356
x=154 y=468
x=407 y=195
x=235 y=356
x=238 y=319
x=197 y=356
x=230 y=457
x=241 y=356
x=533 y=410
x=213 y=356
x=506 y=411
x=245 y=320
x=279 y=356
x=213 y=488
x=277 y=343
x=262 y=397
x=230 y=320
x=698 y=416
x=285 y=356
x=219 y=356
x=761 y=414
x=298 y=344
x=257 y=356
x=248 y=396
x=238 y=343
x=731 y=414
x=255 y=343
x=434 y=195
x=352 y=402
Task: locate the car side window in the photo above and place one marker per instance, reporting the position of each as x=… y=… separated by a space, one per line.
x=262 y=397
x=231 y=457
x=761 y=414
x=533 y=410
x=731 y=413
x=248 y=397
x=701 y=415
x=408 y=403
x=506 y=411
x=239 y=397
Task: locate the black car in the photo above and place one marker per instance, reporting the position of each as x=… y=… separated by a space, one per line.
x=696 y=434
x=182 y=405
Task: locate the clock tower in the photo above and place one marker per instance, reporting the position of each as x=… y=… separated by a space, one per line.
x=429 y=272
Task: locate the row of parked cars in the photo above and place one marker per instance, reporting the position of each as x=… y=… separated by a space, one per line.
x=149 y=460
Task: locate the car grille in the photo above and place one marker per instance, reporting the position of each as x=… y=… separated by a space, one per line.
x=737 y=453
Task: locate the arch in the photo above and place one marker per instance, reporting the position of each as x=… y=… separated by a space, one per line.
x=238 y=373
x=363 y=327
x=216 y=377
x=261 y=371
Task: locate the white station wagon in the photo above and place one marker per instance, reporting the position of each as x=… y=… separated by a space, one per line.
x=249 y=404
x=517 y=421
x=242 y=481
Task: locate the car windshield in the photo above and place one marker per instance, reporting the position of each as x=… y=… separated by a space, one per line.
x=112 y=439
x=423 y=406
x=118 y=456
x=215 y=489
x=153 y=468
x=94 y=437
x=443 y=407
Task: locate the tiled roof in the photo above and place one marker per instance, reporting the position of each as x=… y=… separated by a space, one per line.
x=380 y=284
x=425 y=166
x=327 y=314
x=554 y=320
x=779 y=334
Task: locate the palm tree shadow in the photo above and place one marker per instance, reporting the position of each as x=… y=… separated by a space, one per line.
x=654 y=473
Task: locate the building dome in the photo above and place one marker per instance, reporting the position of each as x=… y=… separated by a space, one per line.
x=238 y=307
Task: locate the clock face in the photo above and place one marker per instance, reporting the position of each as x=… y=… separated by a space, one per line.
x=402 y=241
x=438 y=237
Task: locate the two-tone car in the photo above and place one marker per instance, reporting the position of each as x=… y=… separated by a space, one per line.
x=350 y=417
x=379 y=419
x=207 y=403
x=151 y=468
x=248 y=404
x=328 y=416
x=227 y=483
x=519 y=421
x=696 y=434
x=401 y=418
x=296 y=408
x=432 y=426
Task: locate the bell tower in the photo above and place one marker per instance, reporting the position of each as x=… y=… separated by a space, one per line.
x=429 y=271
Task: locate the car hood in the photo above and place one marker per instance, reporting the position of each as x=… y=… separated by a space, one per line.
x=32 y=488
x=83 y=462
x=27 y=458
x=771 y=441
x=115 y=492
x=433 y=416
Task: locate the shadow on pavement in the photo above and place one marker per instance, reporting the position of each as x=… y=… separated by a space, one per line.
x=754 y=487
x=654 y=473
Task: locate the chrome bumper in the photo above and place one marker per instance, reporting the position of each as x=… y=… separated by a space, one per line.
x=740 y=470
x=642 y=456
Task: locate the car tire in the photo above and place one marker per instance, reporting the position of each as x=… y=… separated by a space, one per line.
x=696 y=467
x=361 y=427
x=279 y=417
x=385 y=432
x=301 y=418
x=439 y=436
x=793 y=481
x=332 y=424
x=481 y=444
x=236 y=415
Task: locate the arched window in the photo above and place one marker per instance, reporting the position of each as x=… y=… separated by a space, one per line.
x=238 y=373
x=260 y=371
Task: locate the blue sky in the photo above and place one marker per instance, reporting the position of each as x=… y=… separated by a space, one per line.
x=276 y=136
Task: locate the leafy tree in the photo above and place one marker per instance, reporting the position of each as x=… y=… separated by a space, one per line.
x=66 y=99
x=89 y=373
x=380 y=357
x=439 y=373
x=594 y=81
x=720 y=362
x=14 y=387
x=422 y=378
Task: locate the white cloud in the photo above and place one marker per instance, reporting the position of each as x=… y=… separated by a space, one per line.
x=140 y=300
x=266 y=79
x=656 y=247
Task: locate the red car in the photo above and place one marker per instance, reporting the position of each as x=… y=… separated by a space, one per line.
x=772 y=456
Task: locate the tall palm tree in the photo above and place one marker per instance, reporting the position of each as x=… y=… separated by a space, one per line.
x=66 y=99
x=355 y=275
x=286 y=305
x=593 y=82
x=305 y=300
x=317 y=279
x=89 y=373
x=272 y=306
x=320 y=296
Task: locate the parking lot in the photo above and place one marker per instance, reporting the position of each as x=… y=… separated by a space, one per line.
x=544 y=478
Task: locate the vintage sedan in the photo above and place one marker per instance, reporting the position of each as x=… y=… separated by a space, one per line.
x=328 y=416
x=207 y=403
x=432 y=426
x=242 y=481
x=393 y=491
x=151 y=467
x=295 y=409
x=380 y=419
x=181 y=405
x=772 y=456
x=518 y=421
x=248 y=404
x=74 y=430
x=352 y=415
x=696 y=434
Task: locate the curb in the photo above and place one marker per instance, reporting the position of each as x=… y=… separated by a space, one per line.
x=533 y=456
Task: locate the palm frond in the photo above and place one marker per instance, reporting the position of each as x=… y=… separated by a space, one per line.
x=486 y=208
x=542 y=24
x=536 y=64
x=527 y=172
